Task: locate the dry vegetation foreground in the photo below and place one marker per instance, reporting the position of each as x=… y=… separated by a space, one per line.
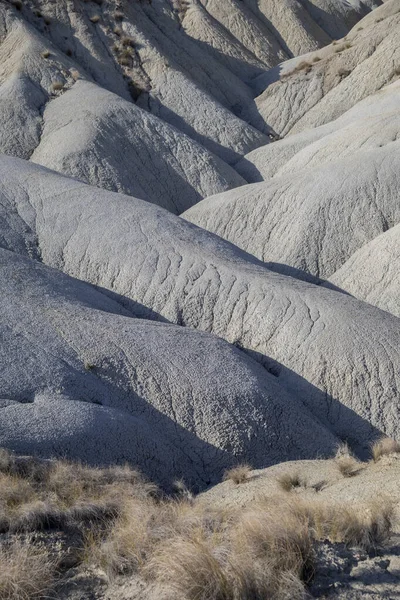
x=69 y=531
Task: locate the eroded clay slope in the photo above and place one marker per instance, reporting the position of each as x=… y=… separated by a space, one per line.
x=316 y=218
x=193 y=64
x=99 y=138
x=338 y=355
x=372 y=273
x=82 y=377
x=316 y=88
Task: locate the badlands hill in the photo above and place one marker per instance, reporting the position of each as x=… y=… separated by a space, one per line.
x=261 y=324
x=130 y=333
x=122 y=321
x=199 y=258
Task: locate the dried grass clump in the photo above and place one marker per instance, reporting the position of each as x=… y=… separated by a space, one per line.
x=127 y=42
x=45 y=54
x=343 y=73
x=56 y=86
x=226 y=555
x=95 y=19
x=384 y=447
x=238 y=474
x=75 y=74
x=303 y=66
x=347 y=464
x=37 y=495
x=125 y=58
x=316 y=59
x=288 y=481
x=364 y=526
x=26 y=573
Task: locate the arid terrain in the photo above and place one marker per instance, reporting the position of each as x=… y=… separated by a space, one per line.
x=199 y=280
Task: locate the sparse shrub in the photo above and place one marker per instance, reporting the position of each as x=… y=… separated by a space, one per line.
x=288 y=481
x=17 y=4
x=119 y=16
x=136 y=88
x=189 y=567
x=68 y=52
x=345 y=461
x=75 y=74
x=384 y=447
x=56 y=86
x=343 y=73
x=364 y=526
x=303 y=66
x=37 y=494
x=125 y=58
x=127 y=42
x=276 y=532
x=7 y=460
x=347 y=465
x=45 y=54
x=117 y=31
x=27 y=572
x=316 y=59
x=88 y=366
x=360 y=28
x=182 y=490
x=47 y=21
x=95 y=18
x=238 y=474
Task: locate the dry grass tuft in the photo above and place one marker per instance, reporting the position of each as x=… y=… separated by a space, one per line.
x=343 y=73
x=45 y=54
x=190 y=568
x=37 y=495
x=364 y=526
x=347 y=464
x=384 y=447
x=288 y=481
x=95 y=19
x=303 y=66
x=75 y=74
x=27 y=572
x=127 y=42
x=56 y=86
x=238 y=474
